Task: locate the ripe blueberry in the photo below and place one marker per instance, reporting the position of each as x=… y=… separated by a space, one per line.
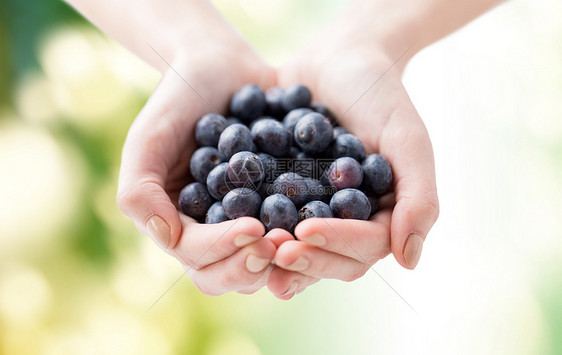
x=248 y=102
x=277 y=211
x=209 y=128
x=271 y=137
x=345 y=173
x=377 y=173
x=293 y=186
x=313 y=133
x=245 y=169
x=195 y=200
x=215 y=214
x=217 y=181
x=296 y=96
x=350 y=203
x=347 y=145
x=316 y=209
x=274 y=99
x=235 y=138
x=202 y=162
x=241 y=202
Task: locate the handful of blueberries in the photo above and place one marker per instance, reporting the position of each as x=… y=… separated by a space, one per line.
x=282 y=160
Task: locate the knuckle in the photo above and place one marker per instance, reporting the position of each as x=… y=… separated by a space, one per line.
x=247 y=291
x=357 y=273
x=228 y=280
x=126 y=199
x=206 y=290
x=431 y=207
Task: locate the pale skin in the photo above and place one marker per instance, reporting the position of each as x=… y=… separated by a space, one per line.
x=354 y=51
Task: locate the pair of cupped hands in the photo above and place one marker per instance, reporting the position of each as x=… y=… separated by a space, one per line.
x=359 y=79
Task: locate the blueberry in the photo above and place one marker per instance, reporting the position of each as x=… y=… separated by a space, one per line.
x=293 y=186
x=248 y=102
x=218 y=183
x=296 y=96
x=209 y=128
x=271 y=137
x=232 y=120
x=325 y=111
x=304 y=165
x=195 y=200
x=339 y=130
x=291 y=119
x=294 y=152
x=377 y=173
x=374 y=204
x=265 y=189
x=313 y=133
x=274 y=99
x=315 y=209
x=245 y=169
x=215 y=214
x=241 y=202
x=270 y=166
x=345 y=173
x=317 y=192
x=203 y=161
x=347 y=145
x=235 y=138
x=350 y=203
x=277 y=211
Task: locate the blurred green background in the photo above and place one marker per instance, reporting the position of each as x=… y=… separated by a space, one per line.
x=77 y=278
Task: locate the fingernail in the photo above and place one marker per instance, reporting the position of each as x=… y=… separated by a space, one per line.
x=159 y=230
x=256 y=264
x=315 y=239
x=291 y=288
x=413 y=249
x=300 y=264
x=242 y=240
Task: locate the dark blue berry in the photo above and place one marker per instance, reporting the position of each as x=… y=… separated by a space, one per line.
x=217 y=181
x=277 y=211
x=347 y=145
x=374 y=204
x=265 y=189
x=232 y=120
x=345 y=173
x=339 y=130
x=271 y=167
x=303 y=164
x=245 y=169
x=315 y=209
x=296 y=96
x=235 y=138
x=195 y=200
x=318 y=192
x=293 y=186
x=313 y=133
x=274 y=99
x=203 y=161
x=325 y=111
x=377 y=174
x=248 y=102
x=209 y=128
x=350 y=203
x=291 y=119
x=241 y=202
x=215 y=214
x=271 y=137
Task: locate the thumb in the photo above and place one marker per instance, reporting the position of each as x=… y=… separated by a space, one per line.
x=417 y=206
x=145 y=167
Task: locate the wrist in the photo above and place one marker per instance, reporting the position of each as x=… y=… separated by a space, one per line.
x=385 y=26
